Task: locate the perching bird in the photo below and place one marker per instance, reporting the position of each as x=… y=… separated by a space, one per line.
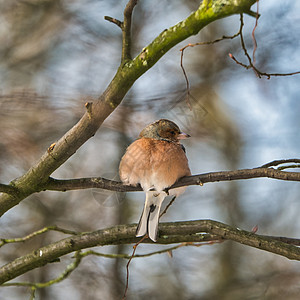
x=156 y=160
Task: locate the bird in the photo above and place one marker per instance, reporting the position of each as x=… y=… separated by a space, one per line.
x=155 y=161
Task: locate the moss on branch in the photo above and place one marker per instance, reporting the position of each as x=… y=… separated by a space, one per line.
x=175 y=232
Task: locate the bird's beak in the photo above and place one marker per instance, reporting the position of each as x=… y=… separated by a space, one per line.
x=183 y=136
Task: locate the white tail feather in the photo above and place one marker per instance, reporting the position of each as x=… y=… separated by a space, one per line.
x=148 y=223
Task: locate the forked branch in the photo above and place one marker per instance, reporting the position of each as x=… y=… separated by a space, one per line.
x=176 y=232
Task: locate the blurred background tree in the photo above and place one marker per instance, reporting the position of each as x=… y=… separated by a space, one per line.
x=55 y=54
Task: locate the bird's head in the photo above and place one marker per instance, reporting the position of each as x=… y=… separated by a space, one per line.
x=163 y=129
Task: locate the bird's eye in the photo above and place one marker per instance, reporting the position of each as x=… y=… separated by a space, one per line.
x=172 y=132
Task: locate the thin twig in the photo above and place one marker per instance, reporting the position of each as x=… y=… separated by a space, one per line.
x=128 y=263
x=167 y=207
x=238 y=62
x=253 y=33
x=114 y=21
x=289 y=167
x=32 y=293
x=257 y=72
x=277 y=162
x=70 y=268
x=186 y=80
x=162 y=251
x=36 y=233
x=224 y=37
x=245 y=49
x=199 y=44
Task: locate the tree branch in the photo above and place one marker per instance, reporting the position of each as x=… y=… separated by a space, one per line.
x=36 y=233
x=113 y=20
x=175 y=232
x=251 y=65
x=70 y=268
x=126 y=30
x=278 y=162
x=126 y=75
x=8 y=189
x=79 y=255
x=102 y=183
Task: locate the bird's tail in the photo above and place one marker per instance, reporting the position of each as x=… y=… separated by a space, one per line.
x=148 y=223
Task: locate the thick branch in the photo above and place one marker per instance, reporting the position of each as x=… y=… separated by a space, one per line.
x=98 y=182
x=126 y=75
x=176 y=232
x=9 y=189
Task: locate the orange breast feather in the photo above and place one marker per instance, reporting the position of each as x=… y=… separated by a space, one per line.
x=153 y=163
